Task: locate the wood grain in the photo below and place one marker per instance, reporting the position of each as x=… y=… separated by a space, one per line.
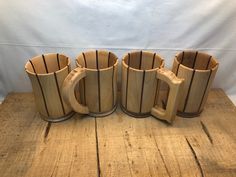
x=198 y=70
x=117 y=145
x=98 y=88
x=47 y=74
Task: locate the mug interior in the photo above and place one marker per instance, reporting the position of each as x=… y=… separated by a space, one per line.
x=96 y=59
x=196 y=60
x=47 y=63
x=143 y=60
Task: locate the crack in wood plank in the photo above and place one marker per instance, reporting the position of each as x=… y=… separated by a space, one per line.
x=195 y=157
x=162 y=158
x=47 y=130
x=56 y=165
x=206 y=131
x=97 y=149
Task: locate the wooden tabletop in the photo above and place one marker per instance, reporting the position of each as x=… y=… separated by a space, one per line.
x=117 y=145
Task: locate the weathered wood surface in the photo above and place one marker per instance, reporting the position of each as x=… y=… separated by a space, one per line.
x=117 y=145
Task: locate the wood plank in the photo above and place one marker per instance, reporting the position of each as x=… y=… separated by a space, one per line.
x=30 y=146
x=154 y=148
x=117 y=145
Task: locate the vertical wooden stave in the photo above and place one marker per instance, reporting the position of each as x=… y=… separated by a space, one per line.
x=124 y=80
x=135 y=58
x=52 y=98
x=196 y=91
x=92 y=95
x=51 y=62
x=134 y=92
x=38 y=95
x=189 y=58
x=90 y=57
x=61 y=75
x=149 y=91
x=115 y=75
x=202 y=61
x=210 y=81
x=147 y=60
x=39 y=65
x=106 y=89
x=186 y=74
x=103 y=59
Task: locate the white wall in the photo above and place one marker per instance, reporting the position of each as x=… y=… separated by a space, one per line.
x=33 y=27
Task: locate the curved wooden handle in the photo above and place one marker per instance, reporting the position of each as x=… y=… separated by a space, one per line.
x=68 y=88
x=175 y=85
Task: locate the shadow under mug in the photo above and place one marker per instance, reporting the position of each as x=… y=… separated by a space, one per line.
x=198 y=70
x=91 y=88
x=47 y=73
x=142 y=72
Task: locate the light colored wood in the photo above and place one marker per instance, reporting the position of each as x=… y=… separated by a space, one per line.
x=134 y=90
x=46 y=80
x=198 y=70
x=90 y=57
x=149 y=91
x=51 y=62
x=125 y=146
x=186 y=74
x=146 y=147
x=199 y=84
x=68 y=90
x=103 y=59
x=31 y=147
x=175 y=85
x=106 y=90
x=139 y=87
x=92 y=91
x=135 y=59
x=98 y=89
x=124 y=78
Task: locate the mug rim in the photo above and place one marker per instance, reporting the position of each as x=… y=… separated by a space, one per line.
x=95 y=70
x=142 y=70
x=192 y=69
x=50 y=73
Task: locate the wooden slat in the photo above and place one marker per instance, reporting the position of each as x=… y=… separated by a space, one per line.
x=149 y=89
x=106 y=92
x=134 y=91
x=103 y=59
x=202 y=61
x=50 y=91
x=125 y=146
x=51 y=61
x=38 y=65
x=60 y=79
x=92 y=95
x=147 y=59
x=197 y=90
x=90 y=57
x=124 y=85
x=135 y=59
x=184 y=74
x=31 y=147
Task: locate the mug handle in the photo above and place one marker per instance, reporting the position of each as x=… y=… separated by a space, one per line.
x=68 y=88
x=175 y=86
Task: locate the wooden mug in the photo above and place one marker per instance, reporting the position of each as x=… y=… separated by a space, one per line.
x=198 y=69
x=91 y=88
x=47 y=73
x=141 y=73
